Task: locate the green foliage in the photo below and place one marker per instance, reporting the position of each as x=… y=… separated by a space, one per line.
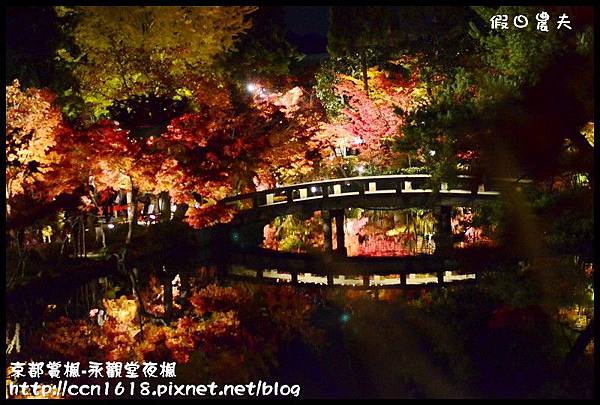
x=551 y=283
x=585 y=41
x=415 y=170
x=568 y=220
x=294 y=234
x=571 y=232
x=326 y=78
x=488 y=214
x=360 y=31
x=355 y=29
x=325 y=89
x=263 y=52
x=472 y=98
x=519 y=55
x=439 y=33
x=125 y=51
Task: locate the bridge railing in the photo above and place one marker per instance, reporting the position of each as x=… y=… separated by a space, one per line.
x=390 y=184
x=457 y=264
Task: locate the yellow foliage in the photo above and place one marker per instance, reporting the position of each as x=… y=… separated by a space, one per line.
x=33 y=127
x=136 y=50
x=123 y=310
x=588 y=132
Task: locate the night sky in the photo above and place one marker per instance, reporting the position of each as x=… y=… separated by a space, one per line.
x=303 y=20
x=307 y=27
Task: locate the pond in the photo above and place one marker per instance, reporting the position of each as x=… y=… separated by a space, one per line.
x=220 y=321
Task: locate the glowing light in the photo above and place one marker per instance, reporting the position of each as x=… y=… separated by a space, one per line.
x=111 y=226
x=344 y=318
x=431 y=153
x=393 y=232
x=152 y=216
x=313 y=189
x=251 y=87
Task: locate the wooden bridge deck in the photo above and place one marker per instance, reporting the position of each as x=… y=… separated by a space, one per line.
x=392 y=191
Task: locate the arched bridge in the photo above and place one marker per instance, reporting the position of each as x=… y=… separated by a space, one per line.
x=391 y=191
x=332 y=197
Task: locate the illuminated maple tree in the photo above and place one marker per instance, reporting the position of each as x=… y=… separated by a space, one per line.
x=290 y=147
x=200 y=162
x=370 y=124
x=34 y=127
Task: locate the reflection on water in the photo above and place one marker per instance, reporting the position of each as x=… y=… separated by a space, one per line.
x=357 y=323
x=376 y=233
x=366 y=233
x=76 y=301
x=341 y=280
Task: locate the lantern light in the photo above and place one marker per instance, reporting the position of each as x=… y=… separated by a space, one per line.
x=357 y=140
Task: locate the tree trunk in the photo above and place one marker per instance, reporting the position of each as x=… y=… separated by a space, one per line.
x=184 y=288
x=7 y=204
x=136 y=294
x=180 y=212
x=22 y=256
x=364 y=71
x=64 y=243
x=82 y=220
x=77 y=237
x=15 y=342
x=164 y=201
x=168 y=296
x=580 y=344
x=74 y=238
x=20 y=236
x=131 y=211
x=98 y=209
x=414 y=244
